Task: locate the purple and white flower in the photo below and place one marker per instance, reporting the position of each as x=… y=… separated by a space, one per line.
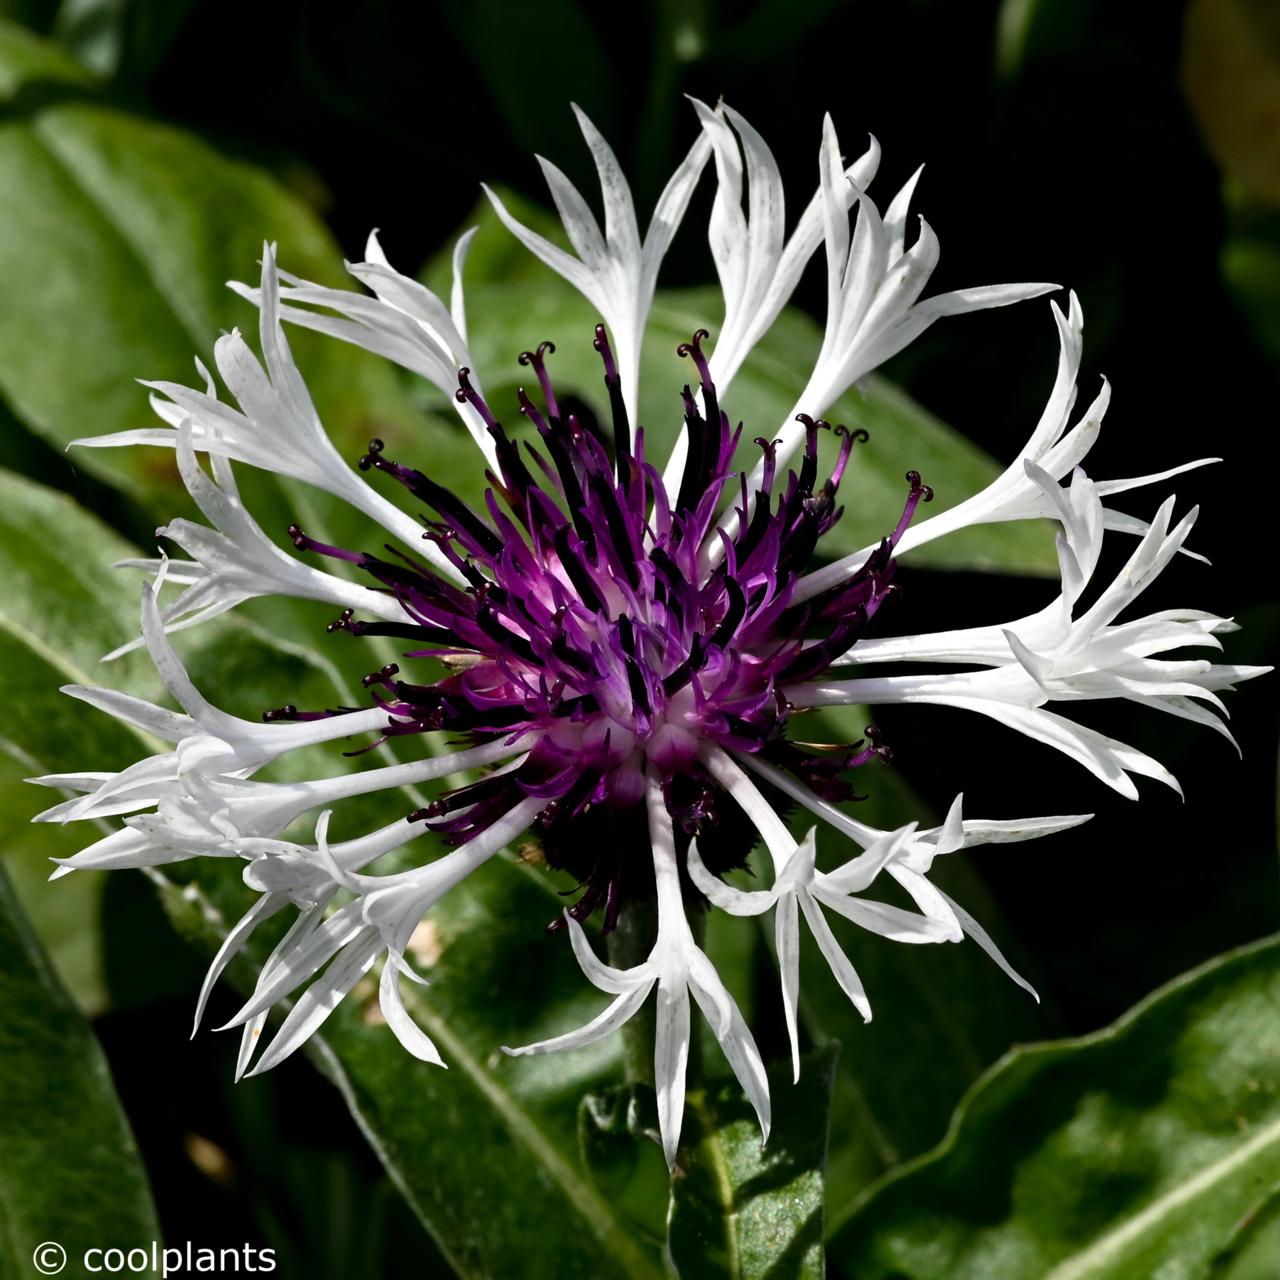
x=617 y=642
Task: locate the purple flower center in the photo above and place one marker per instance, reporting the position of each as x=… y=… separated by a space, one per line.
x=590 y=631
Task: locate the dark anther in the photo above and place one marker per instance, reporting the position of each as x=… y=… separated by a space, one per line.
x=924 y=490
x=695 y=346
x=877 y=744
x=375 y=448
x=465 y=389
x=299 y=538
x=342 y=622
x=544 y=349
x=859 y=435
x=287 y=712
x=380 y=677
x=436 y=809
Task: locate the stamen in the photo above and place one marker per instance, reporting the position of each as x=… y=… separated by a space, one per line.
x=919 y=493
x=467 y=394
x=693 y=348
x=305 y=543
x=621 y=422
x=585 y=623
x=538 y=361
x=375 y=447
x=848 y=439
x=876 y=748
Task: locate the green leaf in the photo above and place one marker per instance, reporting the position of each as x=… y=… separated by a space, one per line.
x=1253 y=1250
x=69 y=1169
x=1140 y=1150
x=1028 y=31
x=120 y=38
x=743 y=1210
x=117 y=234
x=621 y=1150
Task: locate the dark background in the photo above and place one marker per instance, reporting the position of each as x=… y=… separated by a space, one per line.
x=1075 y=151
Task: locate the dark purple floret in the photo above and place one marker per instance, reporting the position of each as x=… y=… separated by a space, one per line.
x=587 y=631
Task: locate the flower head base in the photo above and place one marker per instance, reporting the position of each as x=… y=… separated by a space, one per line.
x=623 y=640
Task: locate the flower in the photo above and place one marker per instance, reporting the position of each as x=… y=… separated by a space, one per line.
x=1060 y=654
x=797 y=883
x=676 y=967
x=617 y=645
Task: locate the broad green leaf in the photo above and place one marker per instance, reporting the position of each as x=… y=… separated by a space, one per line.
x=494 y=255
x=69 y=1169
x=68 y=923
x=1253 y=1250
x=117 y=235
x=740 y=1209
x=484 y=1152
x=120 y=38
x=1140 y=1150
x=497 y=978
x=106 y=936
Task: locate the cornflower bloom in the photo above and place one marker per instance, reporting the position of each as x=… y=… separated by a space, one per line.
x=617 y=642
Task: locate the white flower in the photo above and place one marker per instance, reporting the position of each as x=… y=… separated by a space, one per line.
x=235 y=561
x=758 y=272
x=1015 y=494
x=614 y=269
x=874 y=283
x=379 y=920
x=676 y=967
x=277 y=427
x=608 y=639
x=404 y=321
x=207 y=742
x=913 y=855
x=1059 y=655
